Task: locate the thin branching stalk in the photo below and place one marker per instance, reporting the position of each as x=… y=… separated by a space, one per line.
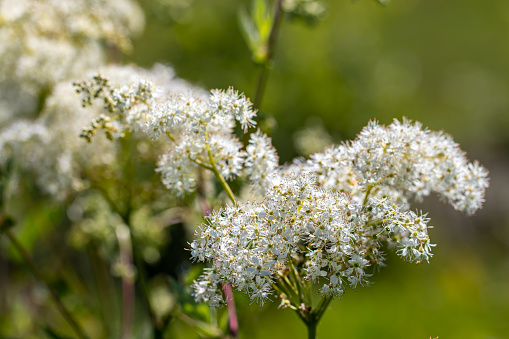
x=218 y=175
x=368 y=191
x=323 y=307
x=297 y=280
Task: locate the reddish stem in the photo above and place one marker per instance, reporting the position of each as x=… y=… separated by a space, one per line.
x=233 y=323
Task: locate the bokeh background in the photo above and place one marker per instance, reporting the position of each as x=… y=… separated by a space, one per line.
x=444 y=63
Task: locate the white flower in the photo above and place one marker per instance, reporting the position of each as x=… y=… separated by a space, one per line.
x=230 y=102
x=43 y=42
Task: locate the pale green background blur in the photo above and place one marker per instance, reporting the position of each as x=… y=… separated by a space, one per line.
x=444 y=63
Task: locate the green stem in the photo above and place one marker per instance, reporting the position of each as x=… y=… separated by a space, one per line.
x=370 y=187
x=105 y=290
x=289 y=290
x=376 y=222
x=260 y=87
x=312 y=324
x=297 y=280
x=218 y=175
x=311 y=317
x=323 y=307
x=170 y=136
x=202 y=164
x=38 y=275
x=233 y=325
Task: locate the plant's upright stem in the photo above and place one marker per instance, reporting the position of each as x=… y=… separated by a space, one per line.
x=271 y=44
x=312 y=318
x=311 y=324
x=80 y=333
x=302 y=303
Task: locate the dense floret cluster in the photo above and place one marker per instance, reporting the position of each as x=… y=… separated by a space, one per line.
x=404 y=161
x=251 y=244
x=330 y=215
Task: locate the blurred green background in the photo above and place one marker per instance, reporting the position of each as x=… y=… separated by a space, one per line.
x=444 y=63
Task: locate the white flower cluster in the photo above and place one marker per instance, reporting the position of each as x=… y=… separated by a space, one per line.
x=261 y=161
x=330 y=215
x=403 y=161
x=201 y=128
x=43 y=42
x=250 y=245
x=48 y=148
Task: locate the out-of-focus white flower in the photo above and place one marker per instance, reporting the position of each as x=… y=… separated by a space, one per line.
x=312 y=138
x=43 y=42
x=50 y=148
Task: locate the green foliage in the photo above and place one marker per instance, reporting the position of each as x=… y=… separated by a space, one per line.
x=256 y=28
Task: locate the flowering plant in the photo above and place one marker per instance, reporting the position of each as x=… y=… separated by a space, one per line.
x=314 y=226
x=322 y=220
